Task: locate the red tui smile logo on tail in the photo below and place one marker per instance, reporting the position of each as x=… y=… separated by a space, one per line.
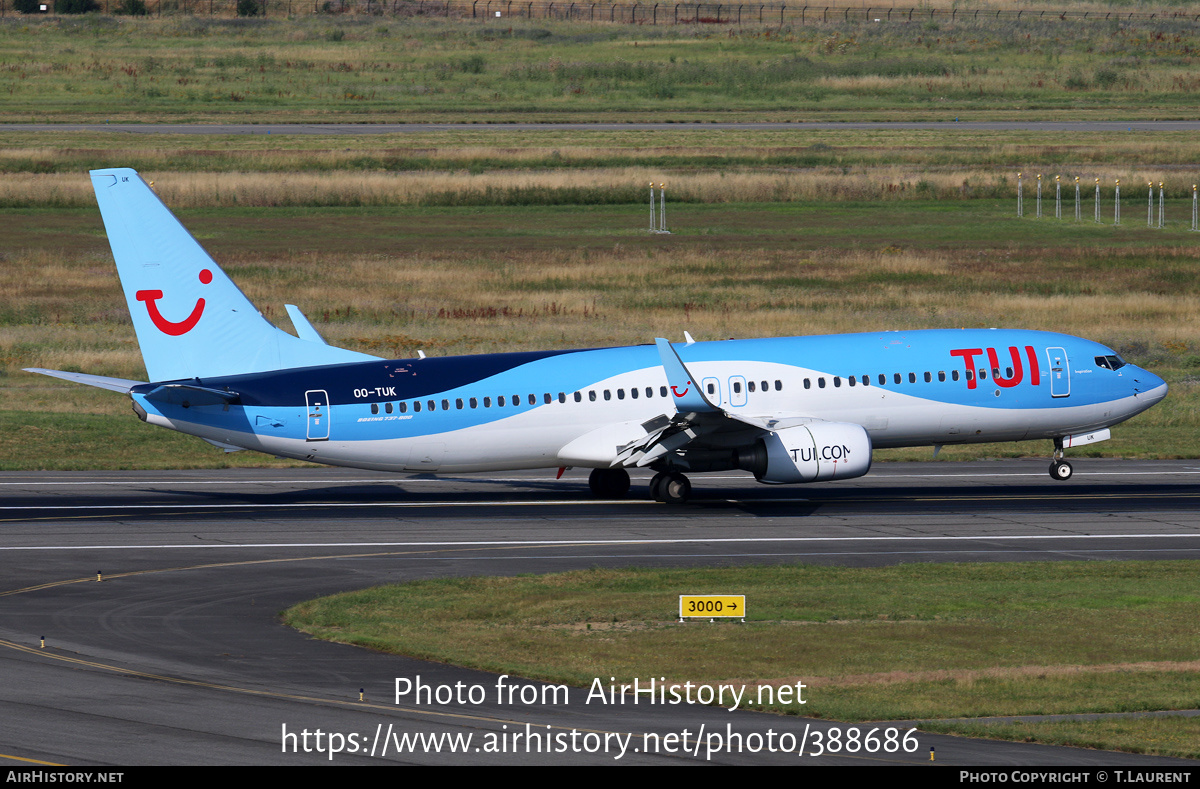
x=171 y=327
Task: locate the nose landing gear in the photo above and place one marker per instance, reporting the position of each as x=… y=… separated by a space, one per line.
x=1060 y=469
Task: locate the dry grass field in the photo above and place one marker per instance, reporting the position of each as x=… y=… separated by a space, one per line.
x=395 y=280
x=594 y=186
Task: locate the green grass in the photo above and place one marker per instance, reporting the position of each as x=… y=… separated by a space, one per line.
x=81 y=442
x=199 y=69
x=896 y=643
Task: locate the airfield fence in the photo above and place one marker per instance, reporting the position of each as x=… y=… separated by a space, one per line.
x=638 y=13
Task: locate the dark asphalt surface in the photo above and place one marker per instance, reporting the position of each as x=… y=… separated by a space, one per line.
x=178 y=656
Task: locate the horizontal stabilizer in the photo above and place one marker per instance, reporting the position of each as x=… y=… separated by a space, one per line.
x=121 y=385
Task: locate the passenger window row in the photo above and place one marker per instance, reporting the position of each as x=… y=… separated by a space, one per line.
x=751 y=386
x=898 y=378
x=502 y=401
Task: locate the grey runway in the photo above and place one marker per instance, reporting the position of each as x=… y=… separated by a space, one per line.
x=178 y=656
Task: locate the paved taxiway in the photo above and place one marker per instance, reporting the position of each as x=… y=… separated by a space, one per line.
x=177 y=657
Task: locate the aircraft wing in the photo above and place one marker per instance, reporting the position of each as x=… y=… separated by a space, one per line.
x=701 y=431
x=698 y=423
x=676 y=434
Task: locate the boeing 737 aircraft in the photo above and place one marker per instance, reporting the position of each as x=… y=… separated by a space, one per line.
x=787 y=410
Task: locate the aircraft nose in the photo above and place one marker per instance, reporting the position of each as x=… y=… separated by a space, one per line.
x=1148 y=387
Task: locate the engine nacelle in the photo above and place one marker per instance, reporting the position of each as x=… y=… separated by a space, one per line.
x=812 y=452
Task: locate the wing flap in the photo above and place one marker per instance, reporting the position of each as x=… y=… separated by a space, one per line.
x=698 y=424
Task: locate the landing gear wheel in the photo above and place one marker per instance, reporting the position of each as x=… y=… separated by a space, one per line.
x=675 y=489
x=656 y=485
x=1060 y=469
x=609 y=483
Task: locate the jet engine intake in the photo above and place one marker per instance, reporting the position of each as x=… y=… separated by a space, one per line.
x=811 y=452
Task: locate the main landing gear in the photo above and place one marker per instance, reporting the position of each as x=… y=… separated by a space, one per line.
x=609 y=483
x=613 y=483
x=670 y=487
x=1060 y=469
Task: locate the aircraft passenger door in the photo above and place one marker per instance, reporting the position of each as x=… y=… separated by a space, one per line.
x=1060 y=372
x=712 y=390
x=318 y=414
x=737 y=391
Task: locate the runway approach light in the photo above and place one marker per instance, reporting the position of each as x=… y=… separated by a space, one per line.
x=658 y=224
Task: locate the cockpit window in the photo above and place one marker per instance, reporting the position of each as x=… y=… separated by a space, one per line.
x=1110 y=362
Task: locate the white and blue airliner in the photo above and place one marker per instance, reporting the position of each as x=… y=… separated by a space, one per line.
x=786 y=409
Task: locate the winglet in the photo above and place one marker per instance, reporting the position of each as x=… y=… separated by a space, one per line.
x=685 y=389
x=304 y=329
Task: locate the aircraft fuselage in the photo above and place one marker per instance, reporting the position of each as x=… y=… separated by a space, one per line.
x=515 y=411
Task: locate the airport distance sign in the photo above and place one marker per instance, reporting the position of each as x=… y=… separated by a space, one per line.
x=712 y=605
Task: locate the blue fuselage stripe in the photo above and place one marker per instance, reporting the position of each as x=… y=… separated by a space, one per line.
x=826 y=363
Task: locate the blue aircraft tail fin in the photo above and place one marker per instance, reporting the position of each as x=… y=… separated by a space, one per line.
x=191 y=320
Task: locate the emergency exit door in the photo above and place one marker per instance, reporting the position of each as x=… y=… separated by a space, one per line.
x=318 y=414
